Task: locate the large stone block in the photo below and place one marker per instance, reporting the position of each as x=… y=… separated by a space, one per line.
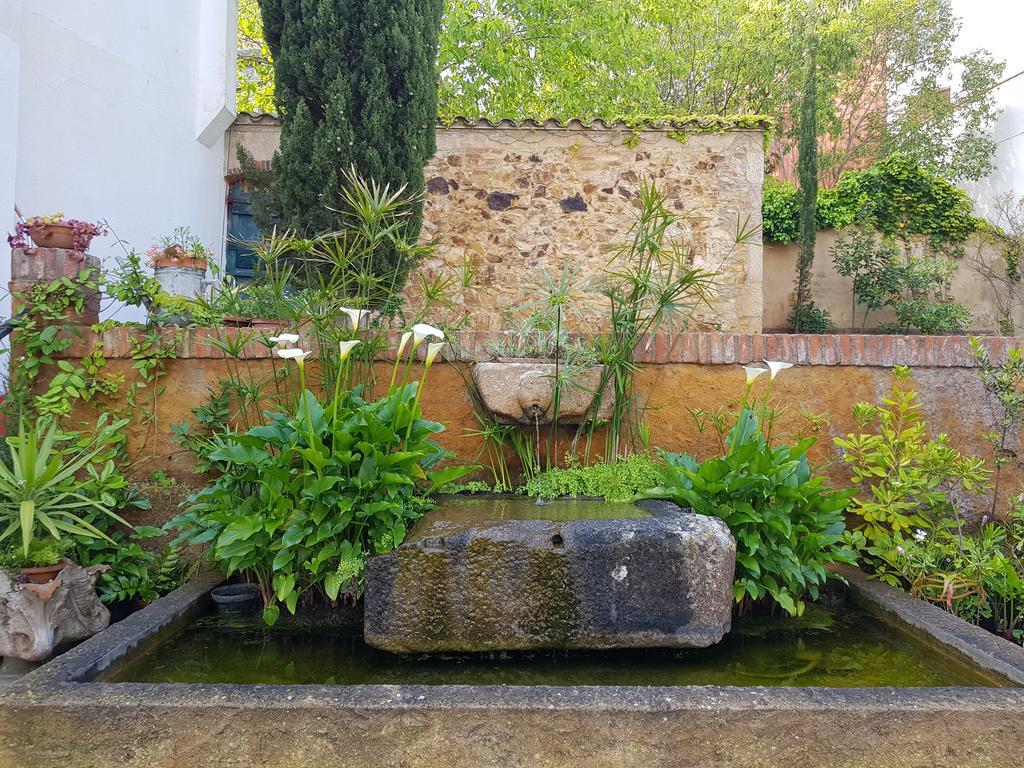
x=659 y=581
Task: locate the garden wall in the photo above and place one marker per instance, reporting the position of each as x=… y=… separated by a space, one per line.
x=980 y=284
x=519 y=200
x=698 y=370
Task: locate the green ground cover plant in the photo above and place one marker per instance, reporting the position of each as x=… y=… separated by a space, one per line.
x=620 y=481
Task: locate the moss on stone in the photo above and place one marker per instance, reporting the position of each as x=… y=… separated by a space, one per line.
x=557 y=617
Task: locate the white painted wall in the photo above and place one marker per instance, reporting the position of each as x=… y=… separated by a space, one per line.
x=116 y=110
x=998 y=25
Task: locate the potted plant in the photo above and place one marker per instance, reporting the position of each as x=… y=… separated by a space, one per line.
x=45 y=559
x=179 y=263
x=55 y=231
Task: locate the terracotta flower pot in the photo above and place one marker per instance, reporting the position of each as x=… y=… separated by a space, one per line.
x=44 y=574
x=182 y=262
x=265 y=324
x=54 y=236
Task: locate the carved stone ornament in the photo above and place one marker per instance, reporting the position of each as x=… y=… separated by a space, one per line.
x=523 y=392
x=36 y=619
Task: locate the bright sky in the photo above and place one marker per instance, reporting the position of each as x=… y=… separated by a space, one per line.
x=997 y=25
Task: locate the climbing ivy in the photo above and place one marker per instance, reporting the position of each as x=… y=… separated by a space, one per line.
x=895 y=197
x=45 y=382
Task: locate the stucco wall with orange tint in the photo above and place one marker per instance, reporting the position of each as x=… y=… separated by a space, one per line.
x=816 y=398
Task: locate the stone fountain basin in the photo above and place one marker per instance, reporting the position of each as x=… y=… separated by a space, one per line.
x=487 y=575
x=522 y=391
x=64 y=714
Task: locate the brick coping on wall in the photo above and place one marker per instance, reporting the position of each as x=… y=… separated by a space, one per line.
x=703 y=348
x=701 y=123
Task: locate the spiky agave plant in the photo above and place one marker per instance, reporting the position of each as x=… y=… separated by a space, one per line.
x=40 y=493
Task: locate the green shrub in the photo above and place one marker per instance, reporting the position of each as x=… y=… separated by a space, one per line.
x=305 y=499
x=621 y=481
x=899 y=198
x=904 y=478
x=810 y=318
x=787 y=523
x=930 y=316
x=980 y=577
x=780 y=211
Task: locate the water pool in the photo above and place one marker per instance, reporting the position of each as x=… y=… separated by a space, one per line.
x=841 y=647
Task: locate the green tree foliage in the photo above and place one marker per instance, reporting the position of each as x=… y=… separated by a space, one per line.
x=255 y=89
x=356 y=87
x=609 y=58
x=581 y=58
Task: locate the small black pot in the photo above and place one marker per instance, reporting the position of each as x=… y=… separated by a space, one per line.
x=236 y=599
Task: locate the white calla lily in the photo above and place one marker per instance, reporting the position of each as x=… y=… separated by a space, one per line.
x=355 y=316
x=345 y=348
x=432 y=350
x=422 y=331
x=293 y=353
x=402 y=342
x=775 y=366
x=284 y=339
x=398 y=358
x=753 y=373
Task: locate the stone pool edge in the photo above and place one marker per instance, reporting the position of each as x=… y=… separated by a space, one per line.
x=50 y=719
x=941 y=629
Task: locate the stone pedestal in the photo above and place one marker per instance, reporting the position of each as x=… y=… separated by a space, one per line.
x=43 y=265
x=663 y=581
x=36 y=619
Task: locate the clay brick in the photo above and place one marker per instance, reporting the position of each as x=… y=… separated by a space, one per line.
x=995 y=348
x=661 y=348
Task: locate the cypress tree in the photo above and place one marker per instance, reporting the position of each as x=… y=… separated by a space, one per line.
x=806 y=316
x=356 y=86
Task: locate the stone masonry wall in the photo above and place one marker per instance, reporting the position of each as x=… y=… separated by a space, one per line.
x=519 y=201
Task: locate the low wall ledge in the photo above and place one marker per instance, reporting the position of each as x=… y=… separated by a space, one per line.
x=701 y=348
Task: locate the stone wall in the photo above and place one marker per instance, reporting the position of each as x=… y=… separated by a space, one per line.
x=519 y=201
x=980 y=283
